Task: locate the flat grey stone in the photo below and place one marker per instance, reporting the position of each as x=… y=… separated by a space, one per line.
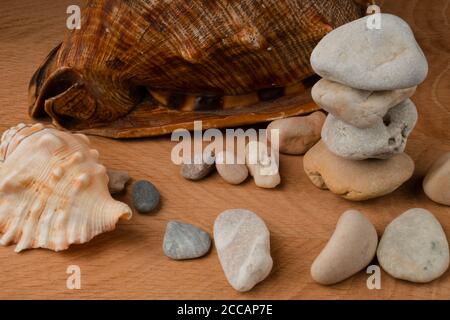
x=382 y=141
x=243 y=245
x=414 y=247
x=145 y=196
x=185 y=241
x=371 y=59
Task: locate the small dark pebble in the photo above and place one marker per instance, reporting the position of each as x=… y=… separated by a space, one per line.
x=145 y=196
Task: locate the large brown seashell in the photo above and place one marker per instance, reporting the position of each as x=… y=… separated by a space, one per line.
x=141 y=68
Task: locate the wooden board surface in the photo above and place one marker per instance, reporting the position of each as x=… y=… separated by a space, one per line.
x=129 y=262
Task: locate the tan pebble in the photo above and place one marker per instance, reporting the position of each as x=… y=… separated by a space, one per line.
x=262 y=167
x=350 y=249
x=298 y=134
x=233 y=173
x=437 y=181
x=356 y=179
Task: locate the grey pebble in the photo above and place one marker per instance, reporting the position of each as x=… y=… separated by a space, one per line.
x=145 y=196
x=382 y=141
x=195 y=172
x=117 y=180
x=185 y=241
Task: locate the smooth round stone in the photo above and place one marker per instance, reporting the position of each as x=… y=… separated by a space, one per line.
x=297 y=134
x=233 y=173
x=437 y=181
x=243 y=245
x=185 y=241
x=262 y=167
x=199 y=168
x=381 y=141
x=145 y=196
x=356 y=180
x=371 y=59
x=350 y=249
x=414 y=247
x=359 y=108
x=117 y=180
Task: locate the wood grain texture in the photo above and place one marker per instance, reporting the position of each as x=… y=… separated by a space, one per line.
x=129 y=262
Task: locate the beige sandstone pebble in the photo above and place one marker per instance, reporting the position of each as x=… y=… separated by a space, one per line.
x=350 y=249
x=356 y=179
x=437 y=181
x=298 y=134
x=360 y=108
x=262 y=167
x=233 y=173
x=414 y=247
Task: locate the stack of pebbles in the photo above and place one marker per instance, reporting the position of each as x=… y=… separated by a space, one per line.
x=368 y=77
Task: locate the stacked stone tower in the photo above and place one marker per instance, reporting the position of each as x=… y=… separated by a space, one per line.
x=368 y=77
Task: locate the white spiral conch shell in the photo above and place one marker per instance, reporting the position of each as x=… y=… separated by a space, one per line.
x=53 y=190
